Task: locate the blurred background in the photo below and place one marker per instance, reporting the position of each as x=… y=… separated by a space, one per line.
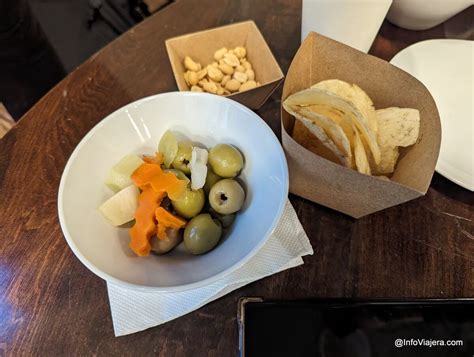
x=41 y=41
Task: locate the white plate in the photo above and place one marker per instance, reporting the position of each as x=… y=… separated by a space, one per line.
x=445 y=67
x=137 y=128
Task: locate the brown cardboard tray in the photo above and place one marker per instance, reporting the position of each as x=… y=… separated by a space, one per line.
x=200 y=46
x=340 y=188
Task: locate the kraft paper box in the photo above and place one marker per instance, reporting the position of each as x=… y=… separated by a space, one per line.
x=200 y=46
x=345 y=190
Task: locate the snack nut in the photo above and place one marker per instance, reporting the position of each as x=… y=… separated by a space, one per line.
x=246 y=65
x=192 y=78
x=250 y=74
x=202 y=73
x=215 y=74
x=191 y=65
x=230 y=72
x=240 y=52
x=196 y=89
x=225 y=79
x=247 y=85
x=232 y=85
x=241 y=77
x=220 y=53
x=224 y=67
x=231 y=60
x=210 y=87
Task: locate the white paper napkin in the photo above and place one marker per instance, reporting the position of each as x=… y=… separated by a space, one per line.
x=134 y=311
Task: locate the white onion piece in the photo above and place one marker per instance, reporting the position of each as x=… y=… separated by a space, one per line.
x=121 y=207
x=198 y=167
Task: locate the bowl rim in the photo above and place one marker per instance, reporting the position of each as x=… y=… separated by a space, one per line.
x=184 y=287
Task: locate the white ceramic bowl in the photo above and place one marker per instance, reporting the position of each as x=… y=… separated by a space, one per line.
x=137 y=128
x=424 y=14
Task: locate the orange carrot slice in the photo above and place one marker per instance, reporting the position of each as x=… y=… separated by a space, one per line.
x=169 y=183
x=157 y=159
x=144 y=173
x=166 y=220
x=145 y=224
x=147 y=175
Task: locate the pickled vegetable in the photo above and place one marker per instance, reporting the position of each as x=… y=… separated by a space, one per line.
x=202 y=234
x=225 y=160
x=226 y=196
x=183 y=157
x=168 y=147
x=120 y=208
x=189 y=204
x=119 y=175
x=198 y=167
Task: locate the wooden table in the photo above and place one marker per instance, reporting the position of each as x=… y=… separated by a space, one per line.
x=50 y=304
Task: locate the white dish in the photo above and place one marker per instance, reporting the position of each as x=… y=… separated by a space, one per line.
x=424 y=14
x=137 y=128
x=338 y=19
x=445 y=67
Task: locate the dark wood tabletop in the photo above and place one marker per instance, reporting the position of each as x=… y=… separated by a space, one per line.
x=50 y=304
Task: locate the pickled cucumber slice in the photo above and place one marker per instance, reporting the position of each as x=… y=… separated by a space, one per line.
x=119 y=175
x=168 y=147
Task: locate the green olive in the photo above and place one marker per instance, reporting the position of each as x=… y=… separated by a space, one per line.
x=225 y=219
x=226 y=196
x=211 y=179
x=163 y=246
x=225 y=160
x=190 y=203
x=202 y=233
x=179 y=174
x=183 y=157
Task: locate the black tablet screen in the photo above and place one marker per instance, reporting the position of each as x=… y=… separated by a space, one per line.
x=334 y=329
